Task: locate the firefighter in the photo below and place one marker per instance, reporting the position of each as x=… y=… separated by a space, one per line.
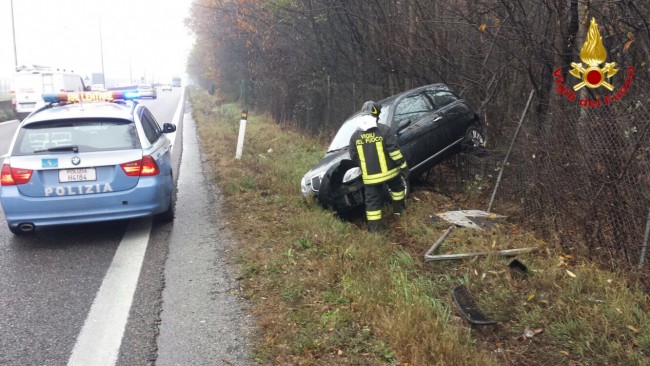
x=373 y=146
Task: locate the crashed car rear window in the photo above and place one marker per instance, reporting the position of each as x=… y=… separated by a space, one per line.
x=86 y=135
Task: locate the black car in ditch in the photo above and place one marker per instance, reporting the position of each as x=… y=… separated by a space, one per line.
x=431 y=123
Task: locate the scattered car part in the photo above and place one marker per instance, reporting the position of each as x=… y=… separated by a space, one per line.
x=474 y=219
x=518 y=270
x=505 y=253
x=468 y=308
x=438 y=243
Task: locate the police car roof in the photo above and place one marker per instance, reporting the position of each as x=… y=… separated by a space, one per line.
x=85 y=110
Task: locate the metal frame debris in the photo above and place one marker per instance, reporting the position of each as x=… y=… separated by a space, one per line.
x=461 y=218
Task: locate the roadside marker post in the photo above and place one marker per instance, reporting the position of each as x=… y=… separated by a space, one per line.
x=242 y=132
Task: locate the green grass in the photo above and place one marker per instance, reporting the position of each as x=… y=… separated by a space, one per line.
x=326 y=292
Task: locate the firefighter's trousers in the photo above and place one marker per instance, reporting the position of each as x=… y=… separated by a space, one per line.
x=375 y=197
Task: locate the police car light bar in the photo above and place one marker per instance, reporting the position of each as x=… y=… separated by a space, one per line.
x=89 y=97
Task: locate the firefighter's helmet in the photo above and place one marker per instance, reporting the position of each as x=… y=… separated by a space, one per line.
x=371 y=108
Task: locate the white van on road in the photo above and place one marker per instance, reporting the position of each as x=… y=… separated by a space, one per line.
x=29 y=83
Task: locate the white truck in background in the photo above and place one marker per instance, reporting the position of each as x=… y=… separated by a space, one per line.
x=29 y=83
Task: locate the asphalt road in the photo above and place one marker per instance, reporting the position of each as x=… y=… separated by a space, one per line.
x=61 y=288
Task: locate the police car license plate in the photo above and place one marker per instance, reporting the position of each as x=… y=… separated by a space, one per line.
x=77 y=175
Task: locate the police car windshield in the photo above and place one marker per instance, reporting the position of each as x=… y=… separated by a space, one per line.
x=76 y=136
x=342 y=138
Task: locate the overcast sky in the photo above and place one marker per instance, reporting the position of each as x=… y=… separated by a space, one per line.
x=139 y=38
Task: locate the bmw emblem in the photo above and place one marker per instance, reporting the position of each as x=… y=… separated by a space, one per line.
x=76 y=160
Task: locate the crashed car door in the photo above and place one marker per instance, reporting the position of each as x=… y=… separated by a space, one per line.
x=419 y=137
x=456 y=114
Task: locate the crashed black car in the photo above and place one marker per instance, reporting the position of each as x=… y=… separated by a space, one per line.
x=431 y=123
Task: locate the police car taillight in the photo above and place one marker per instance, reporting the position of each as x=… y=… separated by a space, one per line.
x=13 y=176
x=143 y=168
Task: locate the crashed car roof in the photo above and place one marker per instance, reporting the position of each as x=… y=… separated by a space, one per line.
x=342 y=138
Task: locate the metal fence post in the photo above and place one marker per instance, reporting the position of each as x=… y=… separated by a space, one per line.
x=645 y=240
x=512 y=143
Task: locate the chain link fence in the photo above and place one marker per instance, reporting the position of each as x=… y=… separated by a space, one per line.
x=579 y=175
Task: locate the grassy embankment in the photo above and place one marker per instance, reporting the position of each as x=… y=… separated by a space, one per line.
x=326 y=292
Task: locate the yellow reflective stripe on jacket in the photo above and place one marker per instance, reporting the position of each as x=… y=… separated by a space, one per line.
x=382 y=157
x=362 y=160
x=403 y=166
x=380 y=177
x=373 y=215
x=396 y=155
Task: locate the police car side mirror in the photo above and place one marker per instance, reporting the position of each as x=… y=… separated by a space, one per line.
x=169 y=127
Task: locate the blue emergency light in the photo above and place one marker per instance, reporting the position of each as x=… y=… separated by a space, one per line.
x=53 y=98
x=130 y=94
x=90 y=97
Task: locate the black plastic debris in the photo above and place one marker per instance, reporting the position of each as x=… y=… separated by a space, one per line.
x=468 y=307
x=518 y=270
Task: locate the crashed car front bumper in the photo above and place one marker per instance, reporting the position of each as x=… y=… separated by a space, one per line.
x=339 y=188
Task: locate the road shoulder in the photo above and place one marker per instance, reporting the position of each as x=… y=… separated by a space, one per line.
x=204 y=319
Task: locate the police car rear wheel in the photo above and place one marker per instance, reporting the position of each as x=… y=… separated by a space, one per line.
x=167 y=216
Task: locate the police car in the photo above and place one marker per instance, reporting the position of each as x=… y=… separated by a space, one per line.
x=87 y=157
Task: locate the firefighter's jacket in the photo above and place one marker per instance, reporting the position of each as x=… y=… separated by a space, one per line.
x=376 y=152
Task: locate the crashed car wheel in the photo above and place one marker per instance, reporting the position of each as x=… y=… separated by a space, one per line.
x=474 y=136
x=474 y=141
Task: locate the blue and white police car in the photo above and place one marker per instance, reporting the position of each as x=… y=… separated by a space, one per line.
x=87 y=157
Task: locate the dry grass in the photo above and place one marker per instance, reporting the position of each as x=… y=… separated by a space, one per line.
x=326 y=292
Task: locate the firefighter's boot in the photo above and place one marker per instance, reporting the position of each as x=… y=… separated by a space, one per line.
x=375 y=226
x=398 y=208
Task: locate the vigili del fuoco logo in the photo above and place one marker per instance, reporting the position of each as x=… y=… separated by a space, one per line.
x=591 y=74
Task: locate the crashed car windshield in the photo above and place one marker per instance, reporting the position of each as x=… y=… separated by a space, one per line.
x=342 y=138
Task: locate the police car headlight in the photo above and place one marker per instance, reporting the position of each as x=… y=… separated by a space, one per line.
x=351 y=175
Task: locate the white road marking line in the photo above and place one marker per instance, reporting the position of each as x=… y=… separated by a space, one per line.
x=8 y=122
x=101 y=336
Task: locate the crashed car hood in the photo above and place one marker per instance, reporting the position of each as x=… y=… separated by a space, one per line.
x=329 y=160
